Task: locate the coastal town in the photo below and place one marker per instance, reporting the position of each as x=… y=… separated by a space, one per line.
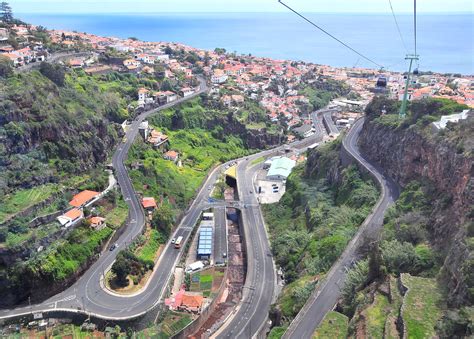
x=165 y=205
x=278 y=86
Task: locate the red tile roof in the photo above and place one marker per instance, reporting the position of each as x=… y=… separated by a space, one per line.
x=96 y=220
x=73 y=214
x=148 y=202
x=82 y=198
x=192 y=300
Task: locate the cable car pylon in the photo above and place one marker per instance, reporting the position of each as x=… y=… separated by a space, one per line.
x=403 y=109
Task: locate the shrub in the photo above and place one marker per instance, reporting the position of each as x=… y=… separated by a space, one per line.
x=399 y=257
x=53 y=72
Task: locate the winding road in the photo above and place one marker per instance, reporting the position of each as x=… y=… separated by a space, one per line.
x=326 y=294
x=87 y=294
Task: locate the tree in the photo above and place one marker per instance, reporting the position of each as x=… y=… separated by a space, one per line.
x=355 y=280
x=6 y=68
x=121 y=269
x=55 y=73
x=399 y=257
x=168 y=50
x=206 y=58
x=3 y=234
x=220 y=51
x=376 y=268
x=166 y=85
x=6 y=13
x=163 y=219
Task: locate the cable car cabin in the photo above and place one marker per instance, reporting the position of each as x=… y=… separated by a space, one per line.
x=381 y=82
x=415 y=71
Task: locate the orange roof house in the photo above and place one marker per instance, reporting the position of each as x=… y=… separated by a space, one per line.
x=171 y=155
x=83 y=198
x=73 y=214
x=191 y=302
x=97 y=222
x=149 y=203
x=70 y=217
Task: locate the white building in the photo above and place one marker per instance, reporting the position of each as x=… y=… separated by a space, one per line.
x=280 y=168
x=441 y=124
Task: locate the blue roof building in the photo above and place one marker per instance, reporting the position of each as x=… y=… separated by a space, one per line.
x=204 y=250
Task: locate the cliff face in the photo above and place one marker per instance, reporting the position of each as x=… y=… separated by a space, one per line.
x=47 y=130
x=409 y=154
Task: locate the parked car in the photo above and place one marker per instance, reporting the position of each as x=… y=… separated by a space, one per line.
x=224 y=255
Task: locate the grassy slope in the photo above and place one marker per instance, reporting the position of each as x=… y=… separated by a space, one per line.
x=391 y=331
x=22 y=199
x=334 y=326
x=376 y=316
x=151 y=246
x=422 y=306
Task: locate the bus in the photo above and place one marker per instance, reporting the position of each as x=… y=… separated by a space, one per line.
x=178 y=242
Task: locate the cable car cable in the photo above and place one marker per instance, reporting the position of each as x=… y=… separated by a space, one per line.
x=398 y=27
x=414 y=22
x=329 y=34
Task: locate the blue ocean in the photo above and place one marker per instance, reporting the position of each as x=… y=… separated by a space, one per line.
x=445 y=42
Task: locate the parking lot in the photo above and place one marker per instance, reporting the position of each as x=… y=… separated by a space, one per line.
x=270 y=191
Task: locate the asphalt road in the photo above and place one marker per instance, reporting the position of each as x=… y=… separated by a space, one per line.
x=53 y=58
x=87 y=295
x=329 y=123
x=317 y=120
x=258 y=291
x=220 y=235
x=327 y=293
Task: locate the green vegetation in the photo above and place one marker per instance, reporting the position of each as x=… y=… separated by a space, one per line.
x=295 y=295
x=334 y=326
x=422 y=306
x=148 y=251
x=311 y=225
x=320 y=92
x=202 y=281
x=128 y=265
x=376 y=316
x=58 y=262
x=396 y=299
x=199 y=150
x=57 y=120
x=277 y=332
x=404 y=249
x=16 y=202
x=420 y=112
x=171 y=323
x=118 y=215
x=257 y=161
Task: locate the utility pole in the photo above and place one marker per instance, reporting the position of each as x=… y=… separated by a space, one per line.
x=403 y=109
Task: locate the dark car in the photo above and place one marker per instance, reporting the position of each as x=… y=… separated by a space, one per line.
x=114 y=246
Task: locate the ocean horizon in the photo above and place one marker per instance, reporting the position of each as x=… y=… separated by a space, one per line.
x=445 y=41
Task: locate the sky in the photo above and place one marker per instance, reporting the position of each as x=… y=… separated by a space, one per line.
x=147 y=6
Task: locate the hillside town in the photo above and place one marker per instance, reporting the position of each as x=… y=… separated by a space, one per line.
x=153 y=189
x=278 y=86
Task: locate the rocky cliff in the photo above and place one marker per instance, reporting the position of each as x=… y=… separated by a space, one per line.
x=443 y=163
x=48 y=130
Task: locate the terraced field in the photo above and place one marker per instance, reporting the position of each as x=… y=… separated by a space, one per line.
x=422 y=306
